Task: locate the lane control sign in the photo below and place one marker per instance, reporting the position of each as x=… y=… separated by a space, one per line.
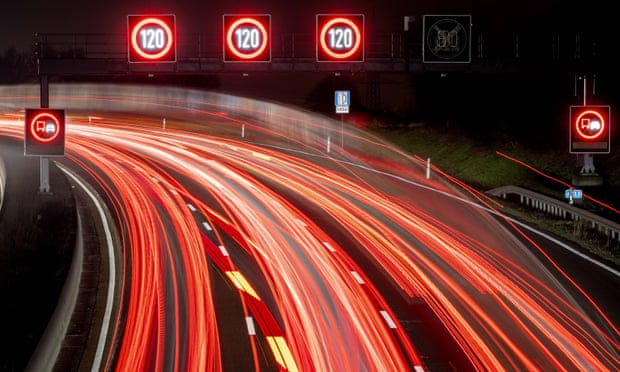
x=44 y=132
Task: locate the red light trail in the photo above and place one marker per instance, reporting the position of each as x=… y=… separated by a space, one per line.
x=187 y=199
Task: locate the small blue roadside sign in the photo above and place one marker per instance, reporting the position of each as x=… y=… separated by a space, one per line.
x=573 y=194
x=342 y=101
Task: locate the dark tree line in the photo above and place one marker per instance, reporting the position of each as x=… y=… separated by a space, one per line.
x=17 y=66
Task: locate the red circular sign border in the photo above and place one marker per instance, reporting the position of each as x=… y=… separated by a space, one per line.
x=325 y=28
x=35 y=136
x=231 y=45
x=598 y=134
x=138 y=49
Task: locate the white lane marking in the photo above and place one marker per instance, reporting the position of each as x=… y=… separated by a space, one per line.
x=388 y=319
x=357 y=277
x=223 y=250
x=329 y=247
x=249 y=321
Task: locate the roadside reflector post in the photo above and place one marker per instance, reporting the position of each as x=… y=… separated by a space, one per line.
x=428 y=168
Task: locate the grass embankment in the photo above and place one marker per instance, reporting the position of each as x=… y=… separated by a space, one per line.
x=479 y=164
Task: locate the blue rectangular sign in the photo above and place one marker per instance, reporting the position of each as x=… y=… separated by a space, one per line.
x=573 y=193
x=342 y=98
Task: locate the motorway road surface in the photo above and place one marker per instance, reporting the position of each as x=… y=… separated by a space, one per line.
x=247 y=242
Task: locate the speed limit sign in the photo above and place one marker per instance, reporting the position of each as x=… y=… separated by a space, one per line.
x=151 y=38
x=247 y=38
x=340 y=37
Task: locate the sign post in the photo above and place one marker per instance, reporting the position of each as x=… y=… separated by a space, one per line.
x=589 y=134
x=342 y=101
x=44 y=136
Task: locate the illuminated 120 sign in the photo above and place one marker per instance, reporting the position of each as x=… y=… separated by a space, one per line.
x=247 y=38
x=151 y=38
x=340 y=37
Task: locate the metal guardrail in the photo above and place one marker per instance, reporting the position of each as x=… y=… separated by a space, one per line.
x=560 y=209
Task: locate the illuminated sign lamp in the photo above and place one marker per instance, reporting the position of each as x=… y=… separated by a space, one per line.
x=247 y=38
x=44 y=132
x=340 y=38
x=151 y=38
x=590 y=129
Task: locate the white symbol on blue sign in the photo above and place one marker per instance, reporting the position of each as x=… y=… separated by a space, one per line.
x=342 y=98
x=573 y=194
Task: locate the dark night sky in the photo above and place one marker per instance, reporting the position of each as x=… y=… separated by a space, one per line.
x=21 y=19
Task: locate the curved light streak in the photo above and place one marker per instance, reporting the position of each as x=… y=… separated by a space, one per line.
x=502 y=307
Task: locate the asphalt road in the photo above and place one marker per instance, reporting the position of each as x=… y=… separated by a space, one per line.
x=419 y=243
